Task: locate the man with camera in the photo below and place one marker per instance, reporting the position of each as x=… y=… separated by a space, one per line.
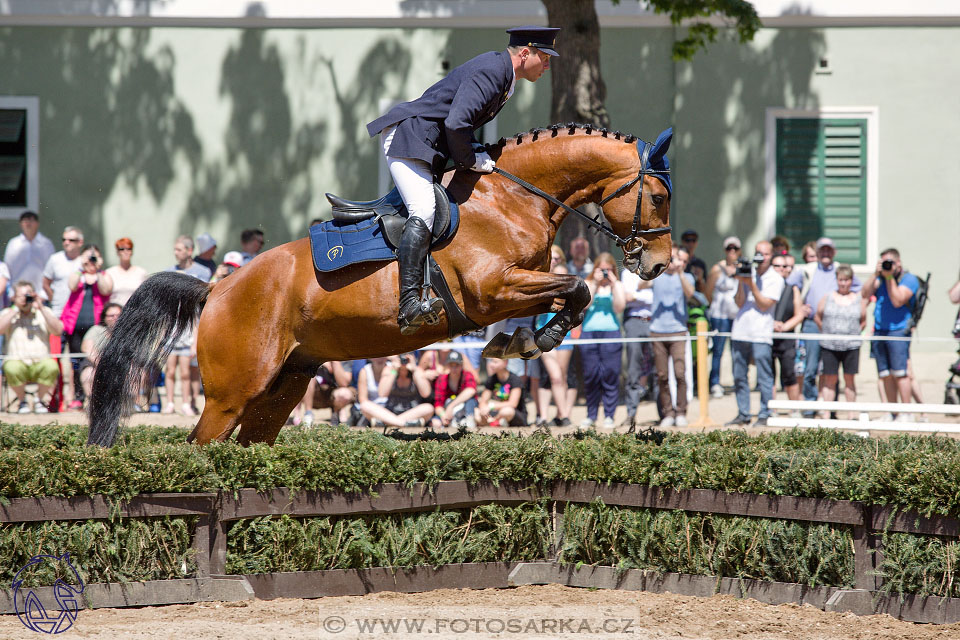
x=27 y=326
x=752 y=333
x=895 y=290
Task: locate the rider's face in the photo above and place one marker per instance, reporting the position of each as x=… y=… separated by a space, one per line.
x=533 y=63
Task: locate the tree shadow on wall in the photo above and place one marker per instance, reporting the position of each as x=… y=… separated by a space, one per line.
x=108 y=111
x=266 y=165
x=358 y=154
x=750 y=80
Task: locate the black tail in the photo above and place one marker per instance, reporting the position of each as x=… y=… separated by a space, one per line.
x=161 y=308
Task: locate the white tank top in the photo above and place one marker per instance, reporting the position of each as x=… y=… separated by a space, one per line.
x=373 y=385
x=723 y=304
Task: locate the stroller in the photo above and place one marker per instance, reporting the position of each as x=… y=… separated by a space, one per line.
x=952 y=393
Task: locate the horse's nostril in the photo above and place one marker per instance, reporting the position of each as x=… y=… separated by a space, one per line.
x=659 y=268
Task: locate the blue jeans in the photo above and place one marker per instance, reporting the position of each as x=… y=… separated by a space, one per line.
x=724 y=325
x=891 y=355
x=812 y=364
x=763 y=359
x=601 y=373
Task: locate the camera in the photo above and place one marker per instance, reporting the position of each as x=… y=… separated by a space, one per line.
x=92 y=260
x=30 y=298
x=886 y=265
x=745 y=266
x=606 y=273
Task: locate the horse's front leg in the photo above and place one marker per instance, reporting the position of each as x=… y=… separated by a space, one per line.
x=528 y=290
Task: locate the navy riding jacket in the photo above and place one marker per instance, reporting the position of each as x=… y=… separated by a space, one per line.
x=440 y=124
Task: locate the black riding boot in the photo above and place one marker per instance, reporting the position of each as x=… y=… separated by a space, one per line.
x=413 y=249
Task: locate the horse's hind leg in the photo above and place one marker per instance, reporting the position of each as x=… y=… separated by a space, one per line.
x=265 y=415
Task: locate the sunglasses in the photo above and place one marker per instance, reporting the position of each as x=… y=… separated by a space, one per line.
x=124 y=248
x=732 y=248
x=71 y=239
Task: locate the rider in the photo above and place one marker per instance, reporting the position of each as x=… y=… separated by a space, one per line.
x=419 y=137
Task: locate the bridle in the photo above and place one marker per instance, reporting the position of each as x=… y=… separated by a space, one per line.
x=596 y=223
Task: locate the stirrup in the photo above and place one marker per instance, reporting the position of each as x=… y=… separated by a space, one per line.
x=427 y=312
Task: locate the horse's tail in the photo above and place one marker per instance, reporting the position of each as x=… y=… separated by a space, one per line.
x=161 y=308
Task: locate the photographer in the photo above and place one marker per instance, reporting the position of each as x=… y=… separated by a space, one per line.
x=601 y=362
x=895 y=290
x=90 y=289
x=27 y=326
x=751 y=335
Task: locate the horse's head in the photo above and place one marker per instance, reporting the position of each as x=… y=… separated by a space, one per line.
x=638 y=210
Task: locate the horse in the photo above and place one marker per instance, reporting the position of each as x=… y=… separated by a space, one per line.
x=265 y=329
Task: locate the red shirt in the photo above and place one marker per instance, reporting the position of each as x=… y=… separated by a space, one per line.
x=441 y=388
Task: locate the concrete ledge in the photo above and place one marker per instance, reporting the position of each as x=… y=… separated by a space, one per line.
x=926 y=609
x=153 y=592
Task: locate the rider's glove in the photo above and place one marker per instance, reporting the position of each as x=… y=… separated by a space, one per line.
x=484 y=163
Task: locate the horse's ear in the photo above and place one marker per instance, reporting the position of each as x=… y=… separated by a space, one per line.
x=661 y=145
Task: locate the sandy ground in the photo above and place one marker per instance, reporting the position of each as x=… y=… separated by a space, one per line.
x=523 y=612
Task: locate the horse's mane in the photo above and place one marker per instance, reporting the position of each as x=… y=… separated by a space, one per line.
x=555 y=130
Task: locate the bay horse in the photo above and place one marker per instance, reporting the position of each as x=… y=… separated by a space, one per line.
x=265 y=329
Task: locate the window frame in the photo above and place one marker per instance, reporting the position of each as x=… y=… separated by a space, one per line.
x=30 y=104
x=872 y=116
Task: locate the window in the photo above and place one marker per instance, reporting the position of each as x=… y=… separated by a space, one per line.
x=823 y=181
x=18 y=156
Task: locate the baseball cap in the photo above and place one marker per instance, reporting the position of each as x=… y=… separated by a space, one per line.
x=454 y=357
x=731 y=240
x=233 y=258
x=825 y=242
x=690 y=233
x=204 y=242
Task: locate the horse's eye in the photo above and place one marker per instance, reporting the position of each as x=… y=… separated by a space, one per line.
x=657 y=200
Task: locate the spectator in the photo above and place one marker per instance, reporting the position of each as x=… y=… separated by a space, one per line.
x=954 y=293
x=636 y=324
x=455 y=395
x=781 y=246
x=721 y=289
x=554 y=365
x=126 y=276
x=251 y=242
x=231 y=262
x=815 y=279
x=841 y=312
x=695 y=266
x=90 y=290
x=183 y=252
x=580 y=264
x=330 y=389
x=787 y=316
x=557 y=257
x=501 y=402
x=27 y=327
x=669 y=320
x=92 y=343
x=752 y=332
x=206 y=249
x=809 y=252
x=27 y=254
x=601 y=362
x=895 y=290
x=59 y=267
x=392 y=392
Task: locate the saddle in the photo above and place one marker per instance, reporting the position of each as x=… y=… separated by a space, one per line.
x=391 y=213
x=370 y=231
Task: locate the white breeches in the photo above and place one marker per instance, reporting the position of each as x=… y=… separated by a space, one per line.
x=414 y=181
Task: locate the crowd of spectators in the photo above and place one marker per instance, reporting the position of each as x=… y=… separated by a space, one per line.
x=67 y=302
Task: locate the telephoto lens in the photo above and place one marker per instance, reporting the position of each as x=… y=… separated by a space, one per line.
x=886 y=265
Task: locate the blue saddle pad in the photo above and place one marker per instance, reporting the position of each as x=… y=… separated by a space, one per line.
x=337 y=244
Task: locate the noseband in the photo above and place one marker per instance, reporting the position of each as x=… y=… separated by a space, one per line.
x=596 y=223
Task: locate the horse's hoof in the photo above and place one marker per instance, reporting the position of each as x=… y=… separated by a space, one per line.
x=530 y=355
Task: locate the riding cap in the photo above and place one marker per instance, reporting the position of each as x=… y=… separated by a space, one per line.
x=543 y=38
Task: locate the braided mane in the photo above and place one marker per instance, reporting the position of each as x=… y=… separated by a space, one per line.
x=555 y=130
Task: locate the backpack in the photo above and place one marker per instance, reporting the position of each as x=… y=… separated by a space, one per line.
x=919 y=301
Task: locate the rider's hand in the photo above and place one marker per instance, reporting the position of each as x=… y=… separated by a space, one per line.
x=484 y=163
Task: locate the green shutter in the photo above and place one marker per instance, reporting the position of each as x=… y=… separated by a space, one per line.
x=13 y=157
x=822 y=183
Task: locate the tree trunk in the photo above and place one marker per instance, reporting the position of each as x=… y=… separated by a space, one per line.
x=578 y=91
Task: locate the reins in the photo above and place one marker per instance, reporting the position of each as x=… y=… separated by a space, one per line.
x=601 y=227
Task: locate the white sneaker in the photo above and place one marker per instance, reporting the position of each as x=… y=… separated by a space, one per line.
x=669 y=421
x=608 y=423
x=904 y=417
x=307 y=419
x=716 y=391
x=24 y=407
x=887 y=417
x=681 y=421
x=586 y=423
x=39 y=407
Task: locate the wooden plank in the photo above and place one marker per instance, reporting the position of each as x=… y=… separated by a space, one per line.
x=907 y=521
x=389 y=498
x=863 y=425
x=354 y=582
x=882 y=407
x=99 y=507
x=712 y=501
x=152 y=592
